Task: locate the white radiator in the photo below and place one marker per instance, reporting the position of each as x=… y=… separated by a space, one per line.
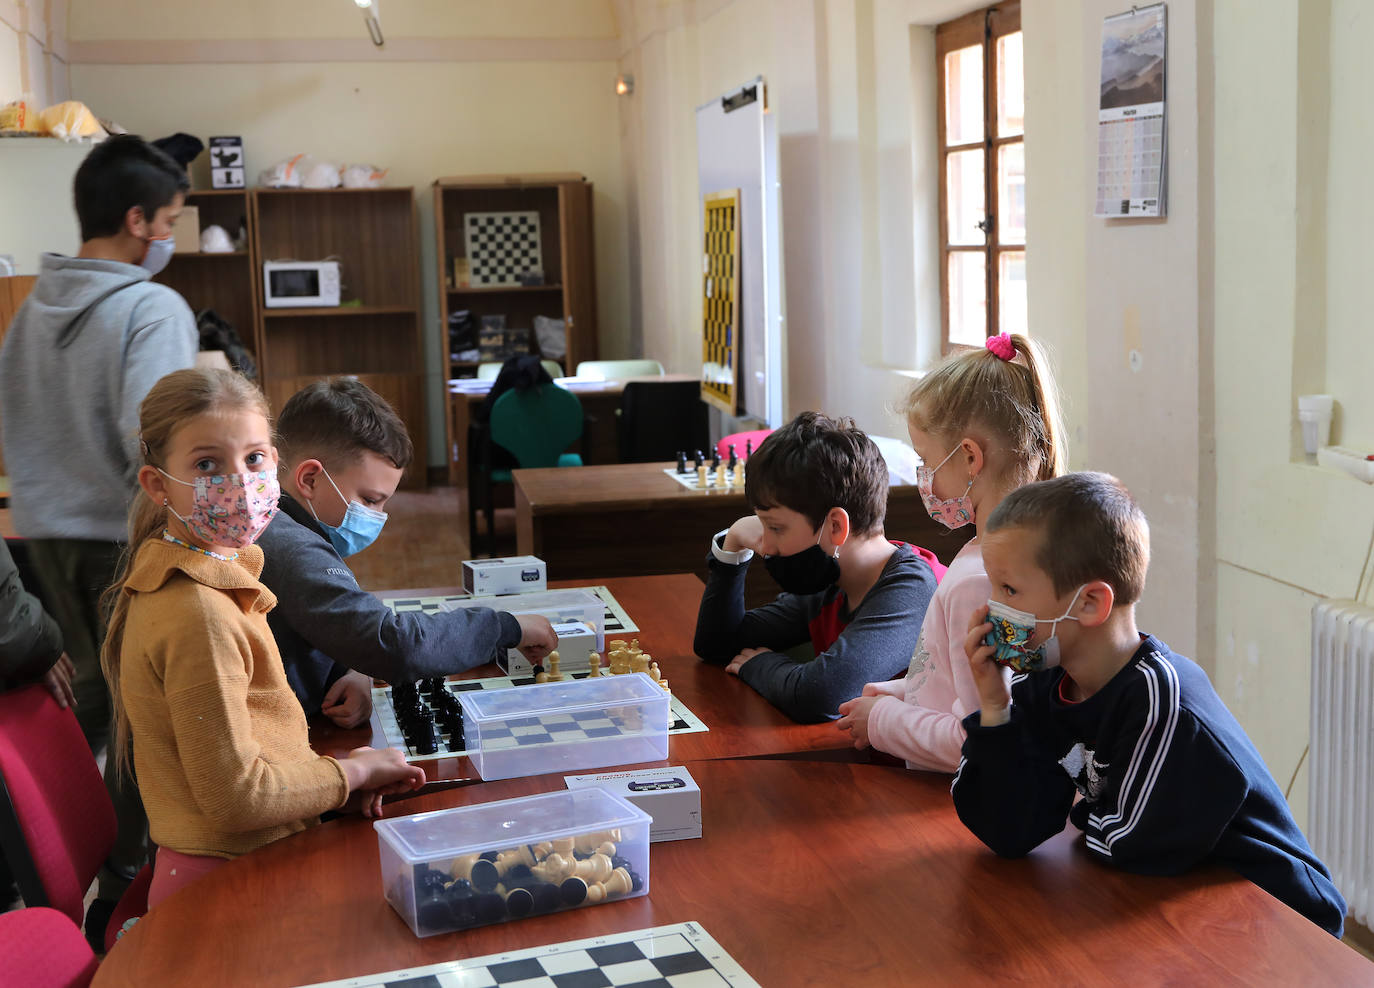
x=1341 y=789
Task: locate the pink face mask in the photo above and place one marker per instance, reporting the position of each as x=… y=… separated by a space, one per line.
x=230 y=509
x=952 y=512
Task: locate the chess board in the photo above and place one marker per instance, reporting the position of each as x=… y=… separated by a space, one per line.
x=689 y=480
x=618 y=623
x=387 y=733
x=679 y=956
x=720 y=276
x=501 y=247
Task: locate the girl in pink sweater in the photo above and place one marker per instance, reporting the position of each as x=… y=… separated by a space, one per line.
x=989 y=422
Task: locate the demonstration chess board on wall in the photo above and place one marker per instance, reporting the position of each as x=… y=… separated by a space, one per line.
x=501 y=247
x=720 y=301
x=679 y=956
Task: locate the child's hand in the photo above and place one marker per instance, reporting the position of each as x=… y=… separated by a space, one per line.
x=987 y=674
x=738 y=661
x=349 y=701
x=384 y=770
x=855 y=719
x=747 y=533
x=58 y=680
x=537 y=637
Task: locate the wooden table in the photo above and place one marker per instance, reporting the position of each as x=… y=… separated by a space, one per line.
x=631 y=519
x=741 y=722
x=808 y=873
x=600 y=441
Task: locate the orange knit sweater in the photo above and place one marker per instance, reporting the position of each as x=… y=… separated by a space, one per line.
x=220 y=741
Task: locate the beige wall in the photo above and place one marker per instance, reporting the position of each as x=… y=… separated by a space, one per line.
x=461 y=88
x=33 y=51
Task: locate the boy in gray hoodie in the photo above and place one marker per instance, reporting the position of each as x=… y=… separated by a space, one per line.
x=83 y=350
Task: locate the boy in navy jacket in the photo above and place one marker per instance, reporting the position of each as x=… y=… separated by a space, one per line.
x=1168 y=777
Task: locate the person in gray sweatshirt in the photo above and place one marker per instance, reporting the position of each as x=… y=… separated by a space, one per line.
x=83 y=350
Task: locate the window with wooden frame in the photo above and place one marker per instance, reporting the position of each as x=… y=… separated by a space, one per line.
x=982 y=175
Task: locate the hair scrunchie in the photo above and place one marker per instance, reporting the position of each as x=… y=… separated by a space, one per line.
x=1002 y=346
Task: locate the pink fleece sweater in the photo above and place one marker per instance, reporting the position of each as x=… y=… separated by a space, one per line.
x=919 y=717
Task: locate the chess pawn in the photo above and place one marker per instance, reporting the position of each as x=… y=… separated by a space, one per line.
x=720 y=475
x=734 y=460
x=619 y=882
x=461 y=866
x=554 y=675
x=681 y=462
x=702 y=481
x=541 y=676
x=739 y=475
x=596 y=868
x=593 y=665
x=596 y=892
x=748 y=448
x=655 y=673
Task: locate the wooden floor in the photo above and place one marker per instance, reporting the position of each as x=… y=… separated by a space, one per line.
x=421 y=545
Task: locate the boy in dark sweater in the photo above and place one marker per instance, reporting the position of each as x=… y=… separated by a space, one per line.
x=818 y=487
x=343 y=451
x=1168 y=778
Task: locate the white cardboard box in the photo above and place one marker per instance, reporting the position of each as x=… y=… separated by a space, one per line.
x=515 y=574
x=576 y=641
x=669 y=795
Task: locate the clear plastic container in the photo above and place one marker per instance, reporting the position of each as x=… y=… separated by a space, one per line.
x=491 y=862
x=556 y=605
x=568 y=726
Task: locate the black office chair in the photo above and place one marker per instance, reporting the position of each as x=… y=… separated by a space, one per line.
x=660 y=418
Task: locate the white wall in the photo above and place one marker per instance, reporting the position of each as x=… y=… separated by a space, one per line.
x=41 y=217
x=461 y=88
x=33 y=51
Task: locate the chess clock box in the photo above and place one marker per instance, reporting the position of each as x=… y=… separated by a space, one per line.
x=576 y=641
x=669 y=795
x=567 y=726
x=517 y=574
x=491 y=862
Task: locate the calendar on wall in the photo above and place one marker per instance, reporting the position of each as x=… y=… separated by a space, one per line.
x=1132 y=177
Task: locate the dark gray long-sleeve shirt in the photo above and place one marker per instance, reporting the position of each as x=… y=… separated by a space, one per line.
x=30 y=641
x=876 y=643
x=325 y=624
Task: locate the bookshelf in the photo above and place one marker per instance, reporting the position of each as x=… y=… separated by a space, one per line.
x=375 y=334
x=564 y=205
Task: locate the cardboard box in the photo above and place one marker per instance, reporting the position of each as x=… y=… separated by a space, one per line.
x=576 y=641
x=186 y=230
x=669 y=795
x=515 y=574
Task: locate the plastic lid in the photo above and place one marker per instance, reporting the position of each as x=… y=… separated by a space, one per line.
x=592 y=693
x=506 y=823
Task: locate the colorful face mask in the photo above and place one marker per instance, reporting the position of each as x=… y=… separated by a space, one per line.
x=1011 y=633
x=952 y=512
x=360 y=526
x=806 y=572
x=230 y=508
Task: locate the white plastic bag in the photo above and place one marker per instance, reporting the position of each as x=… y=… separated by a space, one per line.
x=316 y=174
x=363 y=177
x=214 y=239
x=285 y=174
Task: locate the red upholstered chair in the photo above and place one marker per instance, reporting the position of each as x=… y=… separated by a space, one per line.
x=42 y=948
x=56 y=821
x=739 y=439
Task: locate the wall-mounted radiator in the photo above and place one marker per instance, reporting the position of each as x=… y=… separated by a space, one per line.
x=1341 y=788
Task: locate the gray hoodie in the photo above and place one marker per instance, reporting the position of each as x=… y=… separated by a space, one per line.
x=85 y=348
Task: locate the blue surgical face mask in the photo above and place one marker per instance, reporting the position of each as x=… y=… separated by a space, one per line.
x=1013 y=629
x=158 y=254
x=359 y=528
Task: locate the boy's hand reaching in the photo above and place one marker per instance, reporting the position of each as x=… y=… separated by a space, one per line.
x=987 y=674
x=349 y=701
x=746 y=533
x=373 y=773
x=537 y=637
x=855 y=717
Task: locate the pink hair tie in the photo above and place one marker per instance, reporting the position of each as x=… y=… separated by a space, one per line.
x=1002 y=346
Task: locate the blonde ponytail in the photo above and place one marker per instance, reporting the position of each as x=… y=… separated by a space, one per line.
x=172 y=402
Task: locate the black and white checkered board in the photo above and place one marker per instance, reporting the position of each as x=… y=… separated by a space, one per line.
x=679 y=956
x=501 y=247
x=387 y=733
x=618 y=623
x=689 y=480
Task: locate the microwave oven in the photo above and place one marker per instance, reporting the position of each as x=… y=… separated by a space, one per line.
x=287 y=284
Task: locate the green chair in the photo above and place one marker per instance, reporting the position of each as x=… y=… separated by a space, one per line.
x=535 y=427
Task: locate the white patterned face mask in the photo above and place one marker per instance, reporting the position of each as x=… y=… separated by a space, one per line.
x=952 y=512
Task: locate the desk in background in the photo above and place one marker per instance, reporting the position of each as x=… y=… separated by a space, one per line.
x=742 y=723
x=807 y=873
x=631 y=519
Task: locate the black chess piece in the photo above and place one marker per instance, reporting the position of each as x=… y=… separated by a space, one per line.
x=433 y=913
x=519 y=903
x=546 y=897
x=698 y=460
x=636 y=882
x=715 y=458
x=748 y=449
x=573 y=891
x=489 y=907
x=484 y=875
x=681 y=461
x=733 y=458
x=429 y=881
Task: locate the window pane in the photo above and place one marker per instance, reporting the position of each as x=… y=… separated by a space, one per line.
x=1011 y=292
x=968 y=306
x=964 y=95
x=1011 y=193
x=964 y=197
x=1011 y=93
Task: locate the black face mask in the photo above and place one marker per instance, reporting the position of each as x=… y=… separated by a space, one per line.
x=806 y=572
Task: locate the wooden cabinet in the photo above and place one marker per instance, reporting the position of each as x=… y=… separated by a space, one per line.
x=564 y=206
x=375 y=333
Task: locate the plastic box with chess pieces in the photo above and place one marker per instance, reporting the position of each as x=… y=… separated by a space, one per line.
x=491 y=862
x=563 y=726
